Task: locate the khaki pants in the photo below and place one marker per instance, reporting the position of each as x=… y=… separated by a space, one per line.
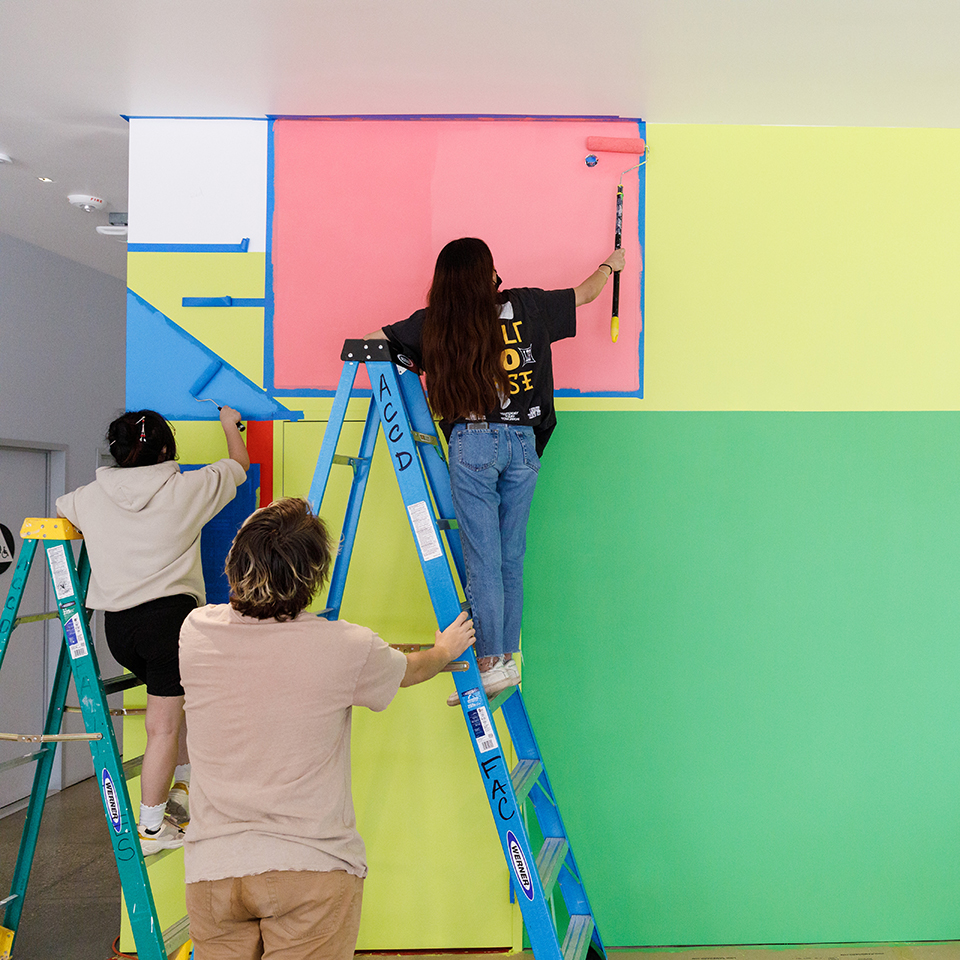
x=283 y=915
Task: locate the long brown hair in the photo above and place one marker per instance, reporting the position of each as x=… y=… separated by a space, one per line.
x=462 y=344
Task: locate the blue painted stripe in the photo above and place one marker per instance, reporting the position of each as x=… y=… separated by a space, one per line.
x=223 y=301
x=269 y=366
x=642 y=236
x=240 y=247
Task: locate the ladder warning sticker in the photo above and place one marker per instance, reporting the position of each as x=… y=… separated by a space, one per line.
x=57 y=558
x=482 y=729
x=73 y=631
x=6 y=548
x=424 y=531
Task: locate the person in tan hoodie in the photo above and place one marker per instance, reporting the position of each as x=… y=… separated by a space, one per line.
x=141 y=521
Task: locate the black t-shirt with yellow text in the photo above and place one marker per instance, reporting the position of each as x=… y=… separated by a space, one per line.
x=530 y=320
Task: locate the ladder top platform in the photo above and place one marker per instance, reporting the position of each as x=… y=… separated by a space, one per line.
x=374 y=351
x=49 y=528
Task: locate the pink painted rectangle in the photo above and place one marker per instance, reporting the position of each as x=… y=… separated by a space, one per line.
x=362 y=207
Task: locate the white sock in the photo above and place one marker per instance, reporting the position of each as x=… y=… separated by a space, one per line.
x=181 y=773
x=151 y=818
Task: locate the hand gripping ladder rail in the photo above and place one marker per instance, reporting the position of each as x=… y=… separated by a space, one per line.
x=78 y=658
x=399 y=405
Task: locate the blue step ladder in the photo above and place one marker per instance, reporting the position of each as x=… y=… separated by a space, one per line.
x=399 y=406
x=78 y=659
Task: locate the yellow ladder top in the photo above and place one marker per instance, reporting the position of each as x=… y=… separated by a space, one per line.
x=49 y=528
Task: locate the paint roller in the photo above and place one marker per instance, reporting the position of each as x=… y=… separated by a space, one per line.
x=203 y=381
x=637 y=147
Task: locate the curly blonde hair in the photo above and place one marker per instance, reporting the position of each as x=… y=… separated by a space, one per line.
x=279 y=559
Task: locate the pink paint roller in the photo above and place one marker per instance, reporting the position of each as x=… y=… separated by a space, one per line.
x=637 y=147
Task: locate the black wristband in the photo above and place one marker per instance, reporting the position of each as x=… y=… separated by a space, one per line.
x=607 y=265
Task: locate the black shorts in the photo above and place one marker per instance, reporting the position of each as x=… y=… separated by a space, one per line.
x=146 y=640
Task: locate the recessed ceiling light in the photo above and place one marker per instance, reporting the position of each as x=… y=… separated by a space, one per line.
x=45 y=179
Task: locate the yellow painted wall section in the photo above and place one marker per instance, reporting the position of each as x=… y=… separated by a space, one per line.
x=800 y=268
x=235 y=333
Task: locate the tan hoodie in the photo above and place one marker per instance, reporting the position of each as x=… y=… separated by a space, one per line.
x=142 y=529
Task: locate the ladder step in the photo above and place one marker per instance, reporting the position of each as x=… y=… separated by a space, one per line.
x=577 y=941
x=524 y=775
x=550 y=860
x=498 y=701
x=444 y=524
x=124 y=682
x=18 y=762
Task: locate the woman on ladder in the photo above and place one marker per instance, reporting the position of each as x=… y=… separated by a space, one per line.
x=141 y=521
x=489 y=371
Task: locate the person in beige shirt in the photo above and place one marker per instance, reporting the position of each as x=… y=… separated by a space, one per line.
x=141 y=521
x=273 y=860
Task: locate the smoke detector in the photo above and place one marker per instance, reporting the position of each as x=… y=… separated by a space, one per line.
x=85 y=202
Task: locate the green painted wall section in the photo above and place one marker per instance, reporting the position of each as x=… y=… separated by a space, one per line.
x=742 y=662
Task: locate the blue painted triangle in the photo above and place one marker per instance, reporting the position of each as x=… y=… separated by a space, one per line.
x=168 y=370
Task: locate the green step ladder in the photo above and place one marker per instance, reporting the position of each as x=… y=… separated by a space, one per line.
x=398 y=405
x=78 y=659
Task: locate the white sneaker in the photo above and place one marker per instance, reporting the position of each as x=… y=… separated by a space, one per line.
x=168 y=837
x=503 y=674
x=178 y=805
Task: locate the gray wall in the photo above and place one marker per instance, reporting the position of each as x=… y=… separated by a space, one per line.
x=62 y=380
x=62 y=353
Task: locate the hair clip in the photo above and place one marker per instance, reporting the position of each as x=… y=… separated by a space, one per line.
x=143 y=429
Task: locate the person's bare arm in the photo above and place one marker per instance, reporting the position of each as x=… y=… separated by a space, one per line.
x=425 y=664
x=376 y=335
x=591 y=288
x=236 y=448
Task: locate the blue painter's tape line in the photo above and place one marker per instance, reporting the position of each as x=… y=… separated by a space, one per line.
x=224 y=302
x=454 y=116
x=152 y=116
x=240 y=247
x=358 y=392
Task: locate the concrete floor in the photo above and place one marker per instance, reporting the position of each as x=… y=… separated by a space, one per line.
x=72 y=907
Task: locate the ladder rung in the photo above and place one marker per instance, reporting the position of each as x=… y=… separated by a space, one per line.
x=445 y=524
x=349 y=461
x=524 y=775
x=35 y=617
x=550 y=860
x=454 y=666
x=118 y=712
x=577 y=941
x=49 y=737
x=424 y=438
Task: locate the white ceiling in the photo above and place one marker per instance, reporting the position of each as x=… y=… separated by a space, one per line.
x=71 y=69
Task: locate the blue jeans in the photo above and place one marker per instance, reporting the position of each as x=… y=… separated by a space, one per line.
x=493 y=472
